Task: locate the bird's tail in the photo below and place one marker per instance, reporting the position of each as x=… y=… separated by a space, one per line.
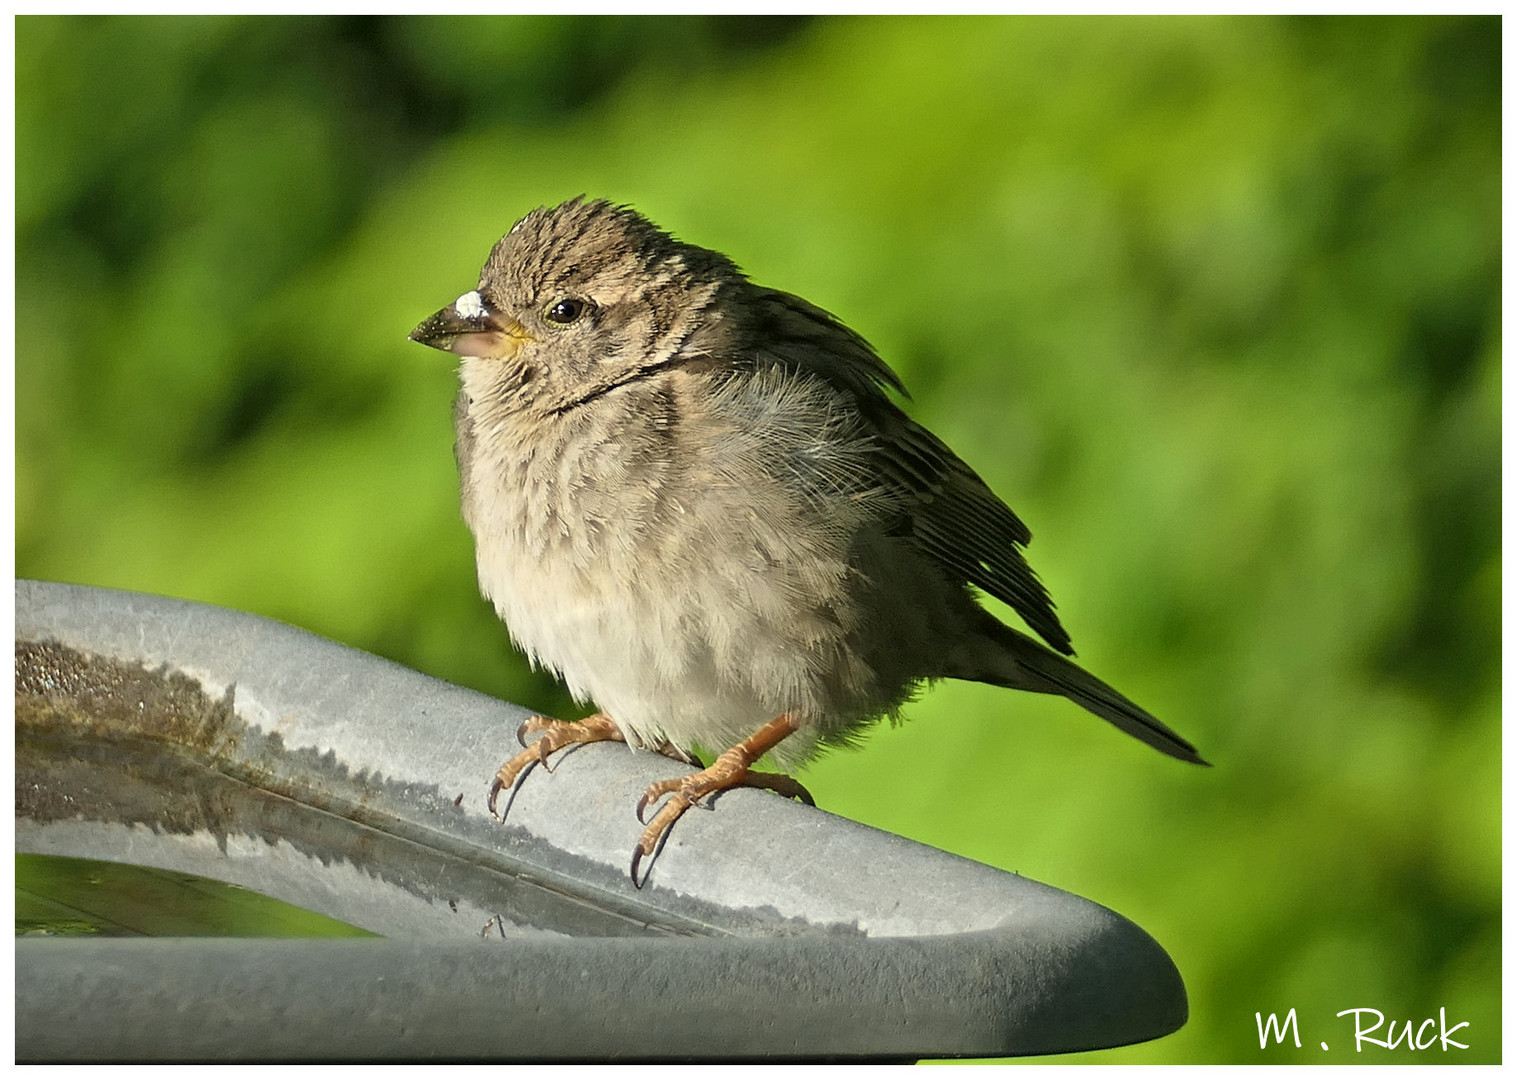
x=1019 y=662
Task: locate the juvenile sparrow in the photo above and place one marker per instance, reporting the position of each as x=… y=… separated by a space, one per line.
x=694 y=500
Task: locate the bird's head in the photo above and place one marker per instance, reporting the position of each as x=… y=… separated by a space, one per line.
x=579 y=299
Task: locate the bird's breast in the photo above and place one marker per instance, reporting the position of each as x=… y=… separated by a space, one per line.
x=628 y=553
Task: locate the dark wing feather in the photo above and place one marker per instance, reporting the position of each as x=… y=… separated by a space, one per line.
x=955 y=518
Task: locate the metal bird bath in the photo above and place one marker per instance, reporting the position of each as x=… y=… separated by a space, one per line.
x=202 y=740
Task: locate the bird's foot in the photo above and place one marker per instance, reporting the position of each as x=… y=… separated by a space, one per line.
x=727 y=771
x=557 y=734
x=780 y=784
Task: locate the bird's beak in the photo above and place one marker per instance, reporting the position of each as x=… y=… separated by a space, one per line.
x=469 y=327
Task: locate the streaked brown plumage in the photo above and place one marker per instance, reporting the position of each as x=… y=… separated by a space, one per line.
x=693 y=498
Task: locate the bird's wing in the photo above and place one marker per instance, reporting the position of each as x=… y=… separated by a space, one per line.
x=954 y=516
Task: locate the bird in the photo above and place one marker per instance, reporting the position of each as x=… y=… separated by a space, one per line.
x=696 y=501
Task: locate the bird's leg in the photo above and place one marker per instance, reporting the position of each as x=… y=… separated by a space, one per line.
x=557 y=735
x=727 y=771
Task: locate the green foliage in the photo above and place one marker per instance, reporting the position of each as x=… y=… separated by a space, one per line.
x=86 y=898
x=1214 y=303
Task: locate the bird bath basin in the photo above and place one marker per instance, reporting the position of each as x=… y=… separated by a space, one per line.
x=205 y=741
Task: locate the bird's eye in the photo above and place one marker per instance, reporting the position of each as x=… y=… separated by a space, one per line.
x=568 y=310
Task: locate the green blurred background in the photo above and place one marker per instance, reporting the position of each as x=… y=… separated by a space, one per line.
x=1214 y=303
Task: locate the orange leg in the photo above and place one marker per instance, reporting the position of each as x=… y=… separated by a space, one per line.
x=562 y=733
x=727 y=771
x=559 y=734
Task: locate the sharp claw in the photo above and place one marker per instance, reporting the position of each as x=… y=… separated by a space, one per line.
x=801 y=793
x=494 y=794
x=521 y=732
x=542 y=754
x=637 y=858
x=642 y=804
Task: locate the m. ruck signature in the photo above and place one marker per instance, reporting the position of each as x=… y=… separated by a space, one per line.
x=1393 y=1034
